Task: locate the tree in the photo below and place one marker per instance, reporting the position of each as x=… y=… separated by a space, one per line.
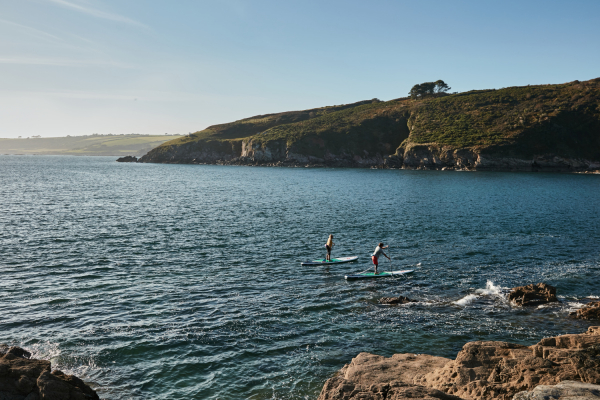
x=441 y=86
x=425 y=89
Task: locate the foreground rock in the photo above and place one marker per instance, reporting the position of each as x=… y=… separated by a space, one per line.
x=567 y=390
x=127 y=159
x=22 y=378
x=533 y=295
x=395 y=300
x=481 y=370
x=369 y=376
x=590 y=311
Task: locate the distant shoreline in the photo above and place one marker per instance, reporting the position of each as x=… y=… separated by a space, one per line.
x=88 y=145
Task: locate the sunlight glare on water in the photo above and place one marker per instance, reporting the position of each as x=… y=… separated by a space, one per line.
x=184 y=281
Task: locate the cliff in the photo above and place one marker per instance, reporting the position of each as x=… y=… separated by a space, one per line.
x=529 y=128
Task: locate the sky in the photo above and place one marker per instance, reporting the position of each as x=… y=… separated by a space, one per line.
x=77 y=67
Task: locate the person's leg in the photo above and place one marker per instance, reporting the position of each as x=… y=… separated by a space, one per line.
x=375 y=262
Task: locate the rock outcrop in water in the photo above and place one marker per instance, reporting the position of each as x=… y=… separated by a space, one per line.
x=589 y=311
x=127 y=159
x=481 y=371
x=23 y=378
x=532 y=295
x=395 y=300
x=553 y=128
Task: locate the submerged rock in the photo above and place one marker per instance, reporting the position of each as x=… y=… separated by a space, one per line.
x=590 y=311
x=533 y=295
x=395 y=300
x=22 y=378
x=566 y=390
x=481 y=371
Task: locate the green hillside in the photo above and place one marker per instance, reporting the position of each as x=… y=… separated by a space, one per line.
x=558 y=120
x=92 y=145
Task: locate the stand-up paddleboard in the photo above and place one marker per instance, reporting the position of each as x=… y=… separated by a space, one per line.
x=339 y=260
x=366 y=275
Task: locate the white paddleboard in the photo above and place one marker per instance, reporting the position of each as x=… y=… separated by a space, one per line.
x=367 y=275
x=338 y=260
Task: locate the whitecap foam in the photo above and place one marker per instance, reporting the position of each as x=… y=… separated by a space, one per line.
x=573 y=306
x=593 y=297
x=491 y=290
x=468 y=299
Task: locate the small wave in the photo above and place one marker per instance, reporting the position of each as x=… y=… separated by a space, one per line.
x=574 y=305
x=468 y=299
x=491 y=290
x=593 y=297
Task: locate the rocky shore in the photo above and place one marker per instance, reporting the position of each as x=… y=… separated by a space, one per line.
x=415 y=157
x=564 y=367
x=481 y=371
x=24 y=378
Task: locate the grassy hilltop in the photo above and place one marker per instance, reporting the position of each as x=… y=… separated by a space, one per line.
x=559 y=120
x=89 y=145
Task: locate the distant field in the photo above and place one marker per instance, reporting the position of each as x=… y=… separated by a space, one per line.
x=100 y=145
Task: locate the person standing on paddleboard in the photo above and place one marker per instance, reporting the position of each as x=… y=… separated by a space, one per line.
x=375 y=256
x=328 y=247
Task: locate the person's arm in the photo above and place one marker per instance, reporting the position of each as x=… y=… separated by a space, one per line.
x=386 y=256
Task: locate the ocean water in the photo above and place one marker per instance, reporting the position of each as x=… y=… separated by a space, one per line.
x=184 y=281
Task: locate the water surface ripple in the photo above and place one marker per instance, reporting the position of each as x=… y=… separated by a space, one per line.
x=183 y=281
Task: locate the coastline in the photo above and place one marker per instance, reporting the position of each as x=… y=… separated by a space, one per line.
x=482 y=370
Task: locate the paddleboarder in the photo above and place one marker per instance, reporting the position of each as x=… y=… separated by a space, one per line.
x=377 y=253
x=328 y=247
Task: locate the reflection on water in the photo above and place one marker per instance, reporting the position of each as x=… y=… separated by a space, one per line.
x=177 y=281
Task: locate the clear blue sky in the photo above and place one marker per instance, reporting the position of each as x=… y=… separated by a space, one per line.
x=75 y=67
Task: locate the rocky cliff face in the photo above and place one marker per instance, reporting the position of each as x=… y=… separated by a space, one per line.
x=553 y=128
x=481 y=371
x=437 y=157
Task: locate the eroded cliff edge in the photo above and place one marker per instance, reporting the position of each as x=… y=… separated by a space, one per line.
x=481 y=371
x=529 y=128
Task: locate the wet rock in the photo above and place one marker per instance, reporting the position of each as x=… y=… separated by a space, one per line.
x=532 y=295
x=22 y=378
x=395 y=300
x=481 y=370
x=127 y=159
x=566 y=390
x=590 y=311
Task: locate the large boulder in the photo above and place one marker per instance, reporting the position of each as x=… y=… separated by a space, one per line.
x=566 y=390
x=499 y=370
x=22 y=378
x=532 y=295
x=590 y=311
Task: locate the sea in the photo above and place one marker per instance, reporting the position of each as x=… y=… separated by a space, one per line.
x=155 y=281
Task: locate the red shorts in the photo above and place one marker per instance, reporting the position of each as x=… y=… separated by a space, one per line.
x=374 y=260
